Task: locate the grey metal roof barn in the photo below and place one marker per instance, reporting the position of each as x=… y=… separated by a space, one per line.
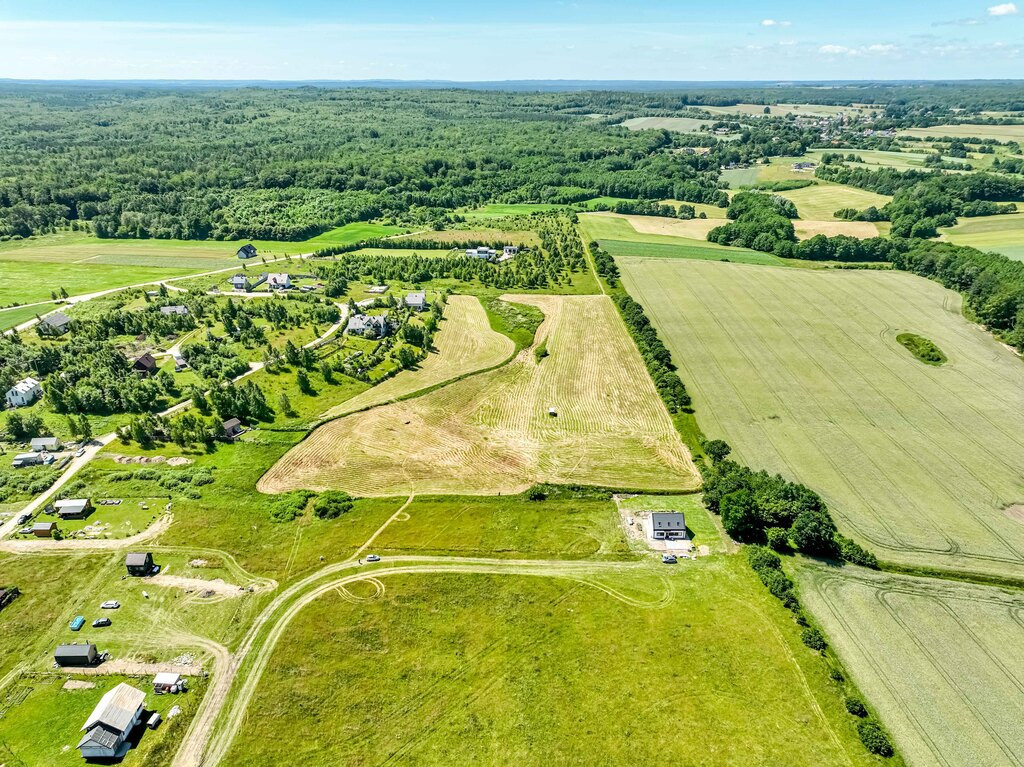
x=75 y=654
x=109 y=724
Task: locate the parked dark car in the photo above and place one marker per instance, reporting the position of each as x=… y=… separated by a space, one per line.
x=100 y=623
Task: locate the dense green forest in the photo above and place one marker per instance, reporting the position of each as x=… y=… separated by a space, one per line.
x=286 y=164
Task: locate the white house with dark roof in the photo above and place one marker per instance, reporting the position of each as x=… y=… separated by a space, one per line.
x=279 y=281
x=25 y=392
x=668 y=525
x=111 y=722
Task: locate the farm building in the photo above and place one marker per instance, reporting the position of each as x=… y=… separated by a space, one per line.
x=377 y=289
x=76 y=655
x=44 y=529
x=179 y=363
x=46 y=444
x=182 y=310
x=139 y=563
x=417 y=301
x=510 y=250
x=7 y=595
x=247 y=251
x=368 y=325
x=168 y=681
x=25 y=392
x=110 y=723
x=55 y=324
x=144 y=365
x=279 y=281
x=232 y=428
x=73 y=508
x=26 y=459
x=668 y=525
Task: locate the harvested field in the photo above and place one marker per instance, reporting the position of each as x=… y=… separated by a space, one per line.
x=492 y=433
x=998 y=132
x=478 y=236
x=942 y=662
x=862 y=229
x=694 y=228
x=465 y=343
x=801 y=373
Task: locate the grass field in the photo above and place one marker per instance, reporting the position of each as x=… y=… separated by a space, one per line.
x=82 y=264
x=801 y=373
x=464 y=343
x=492 y=433
x=1002 y=234
x=998 y=132
x=779 y=110
x=676 y=124
x=699 y=663
x=495 y=210
x=43 y=726
x=819 y=203
x=942 y=662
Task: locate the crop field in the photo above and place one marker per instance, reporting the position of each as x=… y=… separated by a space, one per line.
x=1002 y=234
x=819 y=203
x=942 y=662
x=492 y=433
x=998 y=132
x=830 y=228
x=463 y=669
x=464 y=344
x=482 y=235
x=694 y=228
x=676 y=124
x=800 y=371
x=778 y=110
x=494 y=210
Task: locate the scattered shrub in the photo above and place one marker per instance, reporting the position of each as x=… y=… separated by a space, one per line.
x=856 y=707
x=332 y=504
x=290 y=505
x=813 y=639
x=778 y=539
x=874 y=738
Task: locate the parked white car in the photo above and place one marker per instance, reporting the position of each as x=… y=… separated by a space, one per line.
x=110 y=604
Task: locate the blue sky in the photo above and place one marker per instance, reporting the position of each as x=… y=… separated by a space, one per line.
x=515 y=39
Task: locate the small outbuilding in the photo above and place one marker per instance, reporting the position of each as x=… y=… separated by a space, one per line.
x=46 y=444
x=55 y=324
x=26 y=459
x=668 y=525
x=168 y=681
x=73 y=508
x=232 y=428
x=76 y=655
x=44 y=529
x=139 y=564
x=111 y=722
x=247 y=251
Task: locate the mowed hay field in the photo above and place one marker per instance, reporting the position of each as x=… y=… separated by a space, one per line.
x=820 y=202
x=697 y=667
x=942 y=662
x=998 y=132
x=464 y=343
x=801 y=373
x=491 y=432
x=676 y=124
x=1002 y=234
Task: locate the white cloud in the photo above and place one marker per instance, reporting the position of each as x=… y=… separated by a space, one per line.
x=1003 y=9
x=882 y=48
x=835 y=49
x=775 y=23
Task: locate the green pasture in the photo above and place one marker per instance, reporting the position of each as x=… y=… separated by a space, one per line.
x=685 y=250
x=941 y=662
x=820 y=202
x=800 y=371
x=698 y=661
x=998 y=132
x=675 y=124
x=1001 y=234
